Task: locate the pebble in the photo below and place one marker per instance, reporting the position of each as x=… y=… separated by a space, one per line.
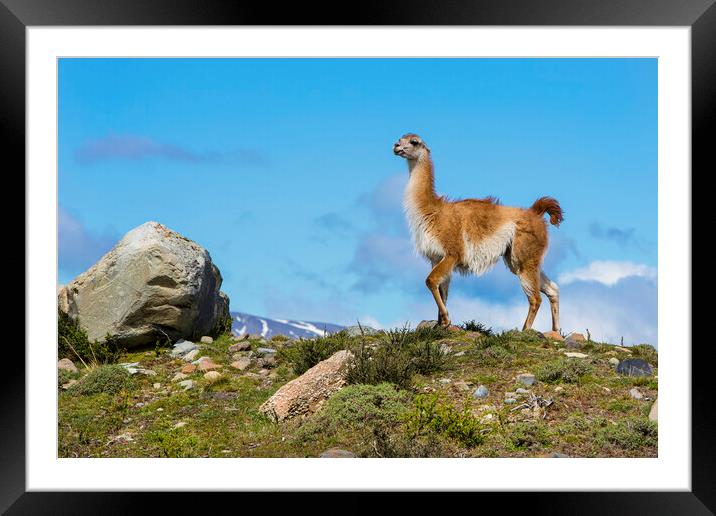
x=191 y=356
x=241 y=364
x=510 y=401
x=634 y=367
x=187 y=384
x=182 y=347
x=188 y=369
x=212 y=376
x=178 y=376
x=576 y=355
x=558 y=389
x=654 y=412
x=526 y=379
x=522 y=391
x=180 y=424
x=636 y=394
x=69 y=384
x=206 y=340
x=445 y=380
x=614 y=361
x=240 y=346
x=157 y=385
x=206 y=364
x=481 y=392
x=266 y=351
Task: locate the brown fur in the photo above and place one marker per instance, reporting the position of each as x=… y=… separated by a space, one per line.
x=465 y=233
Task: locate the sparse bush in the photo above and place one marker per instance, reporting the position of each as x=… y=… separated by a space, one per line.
x=563 y=370
x=73 y=343
x=397 y=356
x=629 y=434
x=529 y=435
x=476 y=326
x=645 y=352
x=108 y=379
x=432 y=414
x=305 y=354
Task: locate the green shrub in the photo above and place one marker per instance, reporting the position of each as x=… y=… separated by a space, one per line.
x=629 y=434
x=432 y=414
x=359 y=407
x=528 y=435
x=305 y=354
x=563 y=370
x=396 y=356
x=72 y=343
x=108 y=379
x=645 y=352
x=476 y=326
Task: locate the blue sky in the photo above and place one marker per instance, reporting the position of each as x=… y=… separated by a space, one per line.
x=283 y=170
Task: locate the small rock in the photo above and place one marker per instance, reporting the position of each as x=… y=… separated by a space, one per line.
x=460 y=354
x=636 y=394
x=267 y=361
x=622 y=350
x=212 y=376
x=264 y=372
x=147 y=372
x=576 y=355
x=634 y=367
x=654 y=412
x=337 y=453
x=157 y=385
x=559 y=388
x=573 y=344
x=559 y=456
x=178 y=376
x=481 y=392
x=578 y=337
x=355 y=331
x=614 y=361
x=160 y=409
x=206 y=364
x=182 y=347
x=553 y=335
x=445 y=380
x=240 y=346
x=206 y=340
x=241 y=364
x=607 y=390
x=188 y=369
x=179 y=424
x=445 y=349
x=266 y=351
x=67 y=365
x=426 y=324
x=510 y=401
x=487 y=418
x=191 y=356
x=522 y=391
x=526 y=378
x=187 y=384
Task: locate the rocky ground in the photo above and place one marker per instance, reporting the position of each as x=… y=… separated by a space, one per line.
x=428 y=392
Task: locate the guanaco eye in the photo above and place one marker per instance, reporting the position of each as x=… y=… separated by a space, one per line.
x=414 y=142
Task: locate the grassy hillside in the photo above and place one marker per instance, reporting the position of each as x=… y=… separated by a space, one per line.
x=411 y=394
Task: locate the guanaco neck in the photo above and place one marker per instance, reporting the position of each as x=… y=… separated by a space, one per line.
x=420 y=191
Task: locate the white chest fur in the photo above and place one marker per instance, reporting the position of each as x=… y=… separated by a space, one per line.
x=426 y=244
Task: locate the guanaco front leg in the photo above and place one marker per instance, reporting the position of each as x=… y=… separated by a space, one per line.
x=440 y=272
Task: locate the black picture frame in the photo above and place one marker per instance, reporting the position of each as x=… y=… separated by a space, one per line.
x=700 y=15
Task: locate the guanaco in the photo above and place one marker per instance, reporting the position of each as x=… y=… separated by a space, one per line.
x=471 y=235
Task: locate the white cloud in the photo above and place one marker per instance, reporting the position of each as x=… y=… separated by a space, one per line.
x=607 y=272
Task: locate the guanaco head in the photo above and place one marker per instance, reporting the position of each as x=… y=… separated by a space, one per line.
x=411 y=147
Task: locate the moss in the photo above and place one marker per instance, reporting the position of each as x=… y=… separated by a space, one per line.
x=305 y=354
x=645 y=352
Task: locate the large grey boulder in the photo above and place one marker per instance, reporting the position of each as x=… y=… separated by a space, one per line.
x=154 y=283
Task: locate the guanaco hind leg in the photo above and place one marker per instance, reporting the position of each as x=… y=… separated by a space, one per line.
x=440 y=272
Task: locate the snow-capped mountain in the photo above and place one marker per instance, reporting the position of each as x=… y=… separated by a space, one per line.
x=242 y=323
